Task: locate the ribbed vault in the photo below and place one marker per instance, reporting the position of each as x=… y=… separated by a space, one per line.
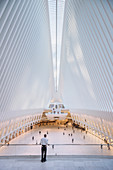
x=26 y=64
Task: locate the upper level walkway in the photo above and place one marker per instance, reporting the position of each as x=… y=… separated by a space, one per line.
x=57 y=163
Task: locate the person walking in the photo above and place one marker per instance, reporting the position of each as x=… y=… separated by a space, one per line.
x=44 y=143
x=108 y=145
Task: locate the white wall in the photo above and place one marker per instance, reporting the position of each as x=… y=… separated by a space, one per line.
x=26 y=72
x=86 y=80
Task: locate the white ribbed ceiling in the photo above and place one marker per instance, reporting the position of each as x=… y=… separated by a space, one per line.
x=86 y=77
x=26 y=68
x=56 y=16
x=28 y=54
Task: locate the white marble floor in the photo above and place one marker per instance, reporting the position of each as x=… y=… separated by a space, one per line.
x=62 y=143
x=56 y=163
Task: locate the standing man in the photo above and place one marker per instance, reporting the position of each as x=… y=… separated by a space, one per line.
x=44 y=143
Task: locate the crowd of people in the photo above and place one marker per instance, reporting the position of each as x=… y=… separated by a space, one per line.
x=44 y=141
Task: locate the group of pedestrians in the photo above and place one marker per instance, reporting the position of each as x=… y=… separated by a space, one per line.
x=44 y=144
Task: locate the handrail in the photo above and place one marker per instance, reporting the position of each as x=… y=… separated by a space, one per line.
x=52 y=144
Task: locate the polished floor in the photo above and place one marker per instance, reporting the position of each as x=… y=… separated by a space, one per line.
x=57 y=163
x=83 y=144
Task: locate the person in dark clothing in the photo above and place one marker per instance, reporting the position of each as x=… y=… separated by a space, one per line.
x=44 y=143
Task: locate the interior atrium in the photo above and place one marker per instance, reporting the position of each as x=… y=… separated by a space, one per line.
x=56 y=78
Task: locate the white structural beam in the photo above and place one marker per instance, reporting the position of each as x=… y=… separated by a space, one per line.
x=26 y=68
x=86 y=75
